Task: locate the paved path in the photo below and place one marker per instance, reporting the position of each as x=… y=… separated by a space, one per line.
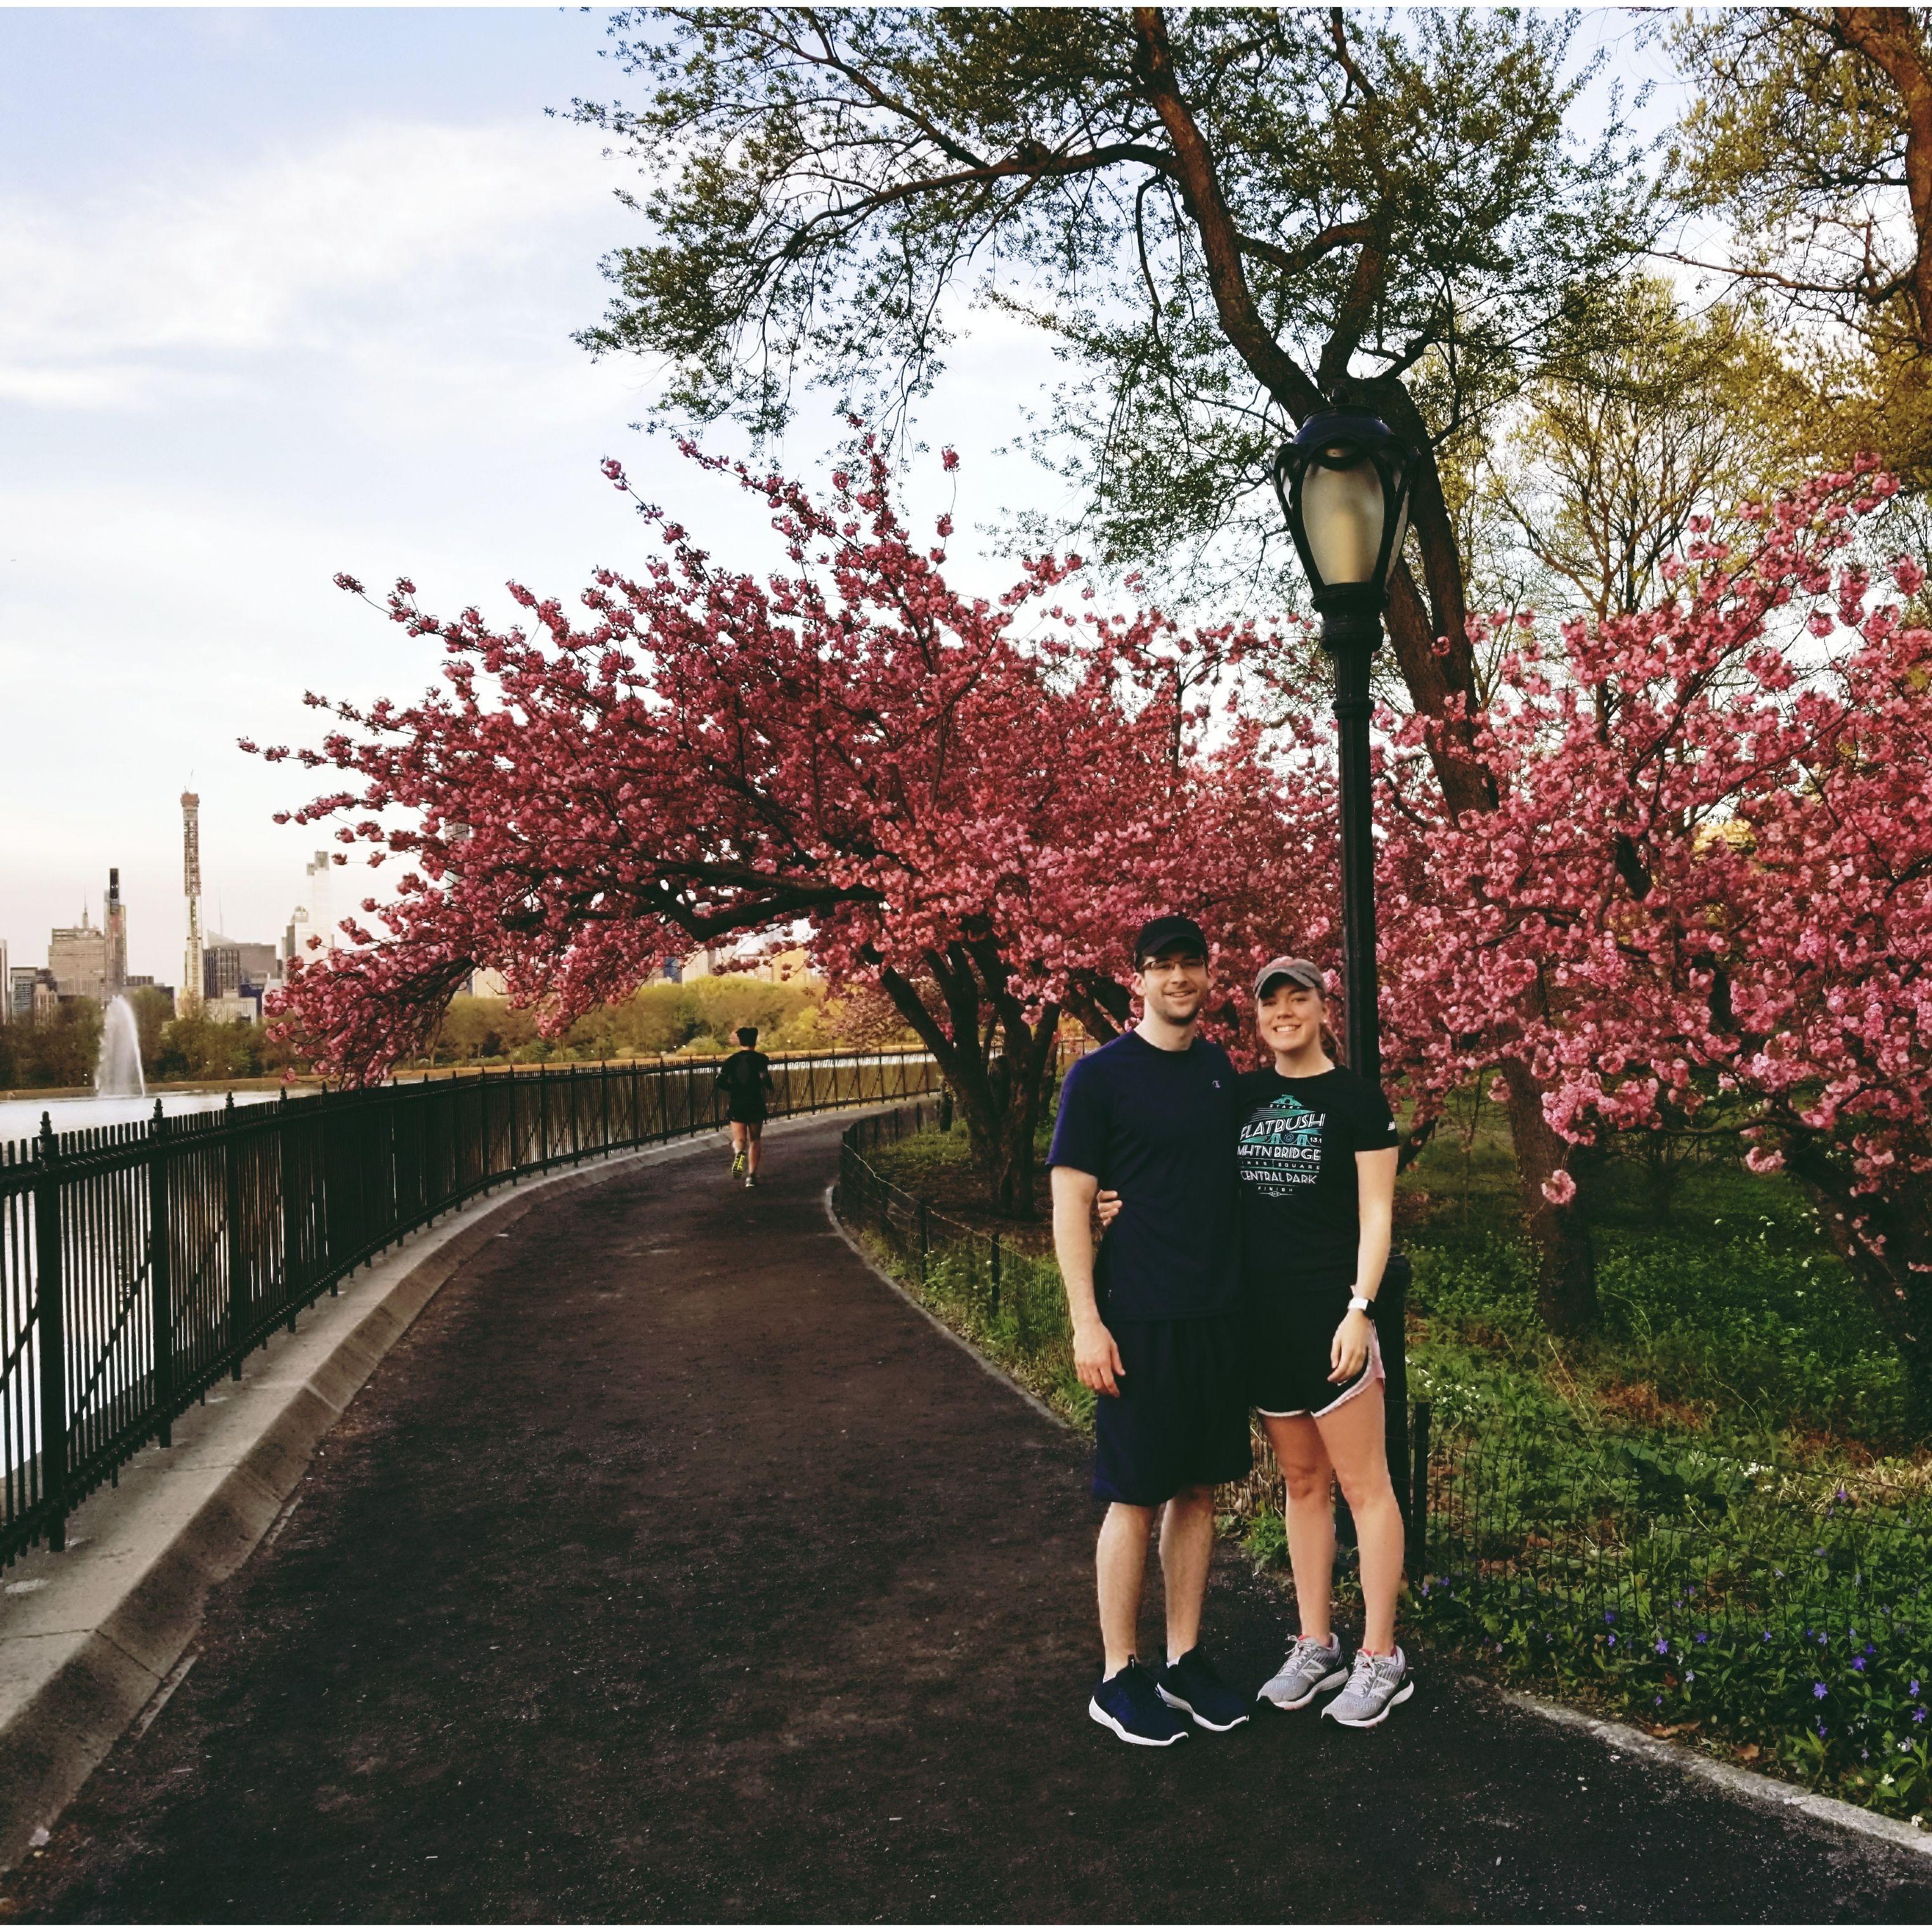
x=672 y=1568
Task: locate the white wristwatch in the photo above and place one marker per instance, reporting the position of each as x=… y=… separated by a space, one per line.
x=1359 y=1304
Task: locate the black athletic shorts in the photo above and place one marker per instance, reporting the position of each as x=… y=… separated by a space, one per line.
x=745 y=1114
x=1181 y=1417
x=1291 y=1333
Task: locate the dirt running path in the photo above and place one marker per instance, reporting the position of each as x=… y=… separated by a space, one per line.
x=672 y=1568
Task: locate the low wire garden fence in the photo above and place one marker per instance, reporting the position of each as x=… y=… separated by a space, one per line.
x=1005 y=1290
x=140 y=1263
x=1781 y=1605
x=1775 y=1606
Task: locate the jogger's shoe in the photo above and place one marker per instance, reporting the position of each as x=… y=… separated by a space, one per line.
x=737 y=1164
x=751 y=1180
x=1130 y=1707
x=1311 y=1669
x=1376 y=1685
x=1193 y=1684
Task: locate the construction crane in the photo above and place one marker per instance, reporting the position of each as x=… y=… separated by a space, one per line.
x=189 y=1001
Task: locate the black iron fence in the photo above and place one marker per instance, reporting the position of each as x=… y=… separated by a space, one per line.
x=1009 y=1287
x=139 y=1264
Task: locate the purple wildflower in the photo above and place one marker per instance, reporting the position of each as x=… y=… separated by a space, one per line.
x=1817 y=1690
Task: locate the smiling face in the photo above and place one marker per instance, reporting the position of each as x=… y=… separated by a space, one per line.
x=1288 y=1018
x=1173 y=985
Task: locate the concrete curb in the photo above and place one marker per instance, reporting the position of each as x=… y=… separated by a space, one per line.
x=95 y=1638
x=1754 y=1787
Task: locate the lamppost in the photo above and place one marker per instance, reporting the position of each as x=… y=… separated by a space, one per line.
x=1344 y=485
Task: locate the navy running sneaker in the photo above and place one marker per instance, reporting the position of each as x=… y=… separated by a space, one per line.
x=1130 y=1707
x=1193 y=1684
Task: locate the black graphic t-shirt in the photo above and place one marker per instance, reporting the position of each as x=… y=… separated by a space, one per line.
x=1296 y=1152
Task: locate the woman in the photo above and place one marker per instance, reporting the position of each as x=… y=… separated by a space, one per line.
x=1316 y=1153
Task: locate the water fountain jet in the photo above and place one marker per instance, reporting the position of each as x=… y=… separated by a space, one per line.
x=117 y=1071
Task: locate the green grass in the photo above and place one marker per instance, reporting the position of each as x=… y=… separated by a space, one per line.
x=1725 y=1311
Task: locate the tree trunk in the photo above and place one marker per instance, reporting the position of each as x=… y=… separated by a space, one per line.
x=1566 y=1270
x=999 y=1096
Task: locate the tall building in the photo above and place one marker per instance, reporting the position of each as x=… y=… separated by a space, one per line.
x=320 y=893
x=189 y=998
x=114 y=920
x=234 y=966
x=6 y=986
x=33 y=999
x=310 y=920
x=296 y=935
x=77 y=958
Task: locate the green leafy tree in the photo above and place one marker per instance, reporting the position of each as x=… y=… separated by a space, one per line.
x=1230 y=218
x=1811 y=139
x=153 y=1010
x=61 y=1052
x=196 y=1047
x=1634 y=429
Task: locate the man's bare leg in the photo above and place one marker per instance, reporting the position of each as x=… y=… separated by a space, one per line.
x=1186 y=1550
x=1120 y=1564
x=754 y=1141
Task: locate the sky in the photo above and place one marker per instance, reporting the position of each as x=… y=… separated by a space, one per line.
x=289 y=293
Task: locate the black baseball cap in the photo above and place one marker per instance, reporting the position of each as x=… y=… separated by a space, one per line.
x=1167 y=934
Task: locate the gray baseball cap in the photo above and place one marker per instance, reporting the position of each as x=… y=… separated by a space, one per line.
x=1302 y=972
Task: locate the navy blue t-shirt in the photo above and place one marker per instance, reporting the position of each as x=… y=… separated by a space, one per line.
x=1158 y=1128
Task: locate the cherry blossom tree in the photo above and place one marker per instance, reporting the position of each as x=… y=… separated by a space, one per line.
x=1712 y=858
x=969 y=819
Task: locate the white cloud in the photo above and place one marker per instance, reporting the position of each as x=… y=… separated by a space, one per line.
x=108 y=299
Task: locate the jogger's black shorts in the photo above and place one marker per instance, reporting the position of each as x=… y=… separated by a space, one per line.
x=1181 y=1417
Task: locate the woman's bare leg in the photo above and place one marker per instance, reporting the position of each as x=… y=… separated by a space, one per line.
x=1358 y=1450
x=1303 y=1457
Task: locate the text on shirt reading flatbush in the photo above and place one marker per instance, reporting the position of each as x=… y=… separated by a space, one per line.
x=1281 y=1148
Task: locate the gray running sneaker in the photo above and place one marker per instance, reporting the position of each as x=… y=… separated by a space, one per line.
x=1312 y=1668
x=1376 y=1685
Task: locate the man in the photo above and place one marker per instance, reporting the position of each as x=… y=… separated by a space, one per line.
x=745 y=1080
x=1155 y=1331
